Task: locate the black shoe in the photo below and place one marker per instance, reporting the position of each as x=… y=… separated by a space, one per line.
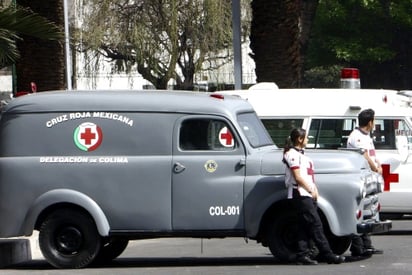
x=373 y=250
x=333 y=259
x=305 y=260
x=364 y=253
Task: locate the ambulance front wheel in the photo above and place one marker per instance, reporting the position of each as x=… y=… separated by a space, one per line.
x=69 y=239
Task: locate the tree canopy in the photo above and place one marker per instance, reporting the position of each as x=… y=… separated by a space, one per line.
x=374 y=36
x=18 y=21
x=173 y=39
x=163 y=40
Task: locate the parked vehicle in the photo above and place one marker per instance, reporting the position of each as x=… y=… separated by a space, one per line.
x=331 y=114
x=91 y=170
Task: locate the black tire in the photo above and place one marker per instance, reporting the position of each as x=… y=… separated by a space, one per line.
x=339 y=244
x=281 y=236
x=69 y=239
x=111 y=249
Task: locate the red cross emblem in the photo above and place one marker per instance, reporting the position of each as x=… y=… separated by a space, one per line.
x=87 y=136
x=388 y=178
x=226 y=138
x=311 y=172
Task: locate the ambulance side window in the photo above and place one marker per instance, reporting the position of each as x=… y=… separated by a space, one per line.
x=391 y=133
x=329 y=133
x=206 y=134
x=279 y=129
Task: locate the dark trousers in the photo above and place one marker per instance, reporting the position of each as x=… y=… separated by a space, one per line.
x=360 y=243
x=310 y=226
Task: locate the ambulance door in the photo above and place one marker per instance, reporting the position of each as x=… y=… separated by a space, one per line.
x=208 y=175
x=392 y=138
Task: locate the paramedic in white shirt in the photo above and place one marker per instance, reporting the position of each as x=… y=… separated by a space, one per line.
x=302 y=190
x=361 y=138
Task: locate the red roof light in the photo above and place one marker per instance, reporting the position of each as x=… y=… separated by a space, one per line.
x=350 y=73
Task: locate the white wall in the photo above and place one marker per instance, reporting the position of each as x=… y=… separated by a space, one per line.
x=6 y=84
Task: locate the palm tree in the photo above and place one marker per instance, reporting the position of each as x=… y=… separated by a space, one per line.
x=15 y=22
x=279 y=35
x=274 y=41
x=42 y=61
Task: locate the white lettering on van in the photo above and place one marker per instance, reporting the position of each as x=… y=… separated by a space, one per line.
x=64 y=159
x=56 y=120
x=82 y=115
x=232 y=210
x=79 y=115
x=113 y=160
x=80 y=159
x=114 y=116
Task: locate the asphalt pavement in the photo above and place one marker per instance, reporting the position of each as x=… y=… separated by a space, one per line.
x=236 y=256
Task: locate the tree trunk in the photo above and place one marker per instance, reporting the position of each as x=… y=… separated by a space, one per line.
x=42 y=61
x=274 y=41
x=279 y=33
x=308 y=12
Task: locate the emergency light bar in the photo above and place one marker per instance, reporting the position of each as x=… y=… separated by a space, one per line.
x=349 y=78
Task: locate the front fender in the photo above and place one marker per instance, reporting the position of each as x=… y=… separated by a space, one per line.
x=66 y=196
x=261 y=196
x=337 y=227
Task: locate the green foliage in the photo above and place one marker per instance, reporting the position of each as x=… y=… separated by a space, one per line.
x=372 y=35
x=15 y=22
x=8 y=47
x=401 y=12
x=163 y=39
x=322 y=77
x=348 y=31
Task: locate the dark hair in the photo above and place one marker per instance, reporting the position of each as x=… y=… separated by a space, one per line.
x=365 y=116
x=293 y=139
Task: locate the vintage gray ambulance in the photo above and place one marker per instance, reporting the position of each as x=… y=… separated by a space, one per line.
x=91 y=170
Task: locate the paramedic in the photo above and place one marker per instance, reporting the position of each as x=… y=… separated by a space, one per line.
x=299 y=179
x=360 y=138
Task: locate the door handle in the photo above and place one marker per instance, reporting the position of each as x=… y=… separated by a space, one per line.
x=242 y=161
x=178 y=168
x=241 y=164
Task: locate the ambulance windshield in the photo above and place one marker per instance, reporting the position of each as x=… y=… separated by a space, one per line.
x=254 y=130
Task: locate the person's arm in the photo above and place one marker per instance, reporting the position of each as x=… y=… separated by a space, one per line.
x=376 y=167
x=302 y=183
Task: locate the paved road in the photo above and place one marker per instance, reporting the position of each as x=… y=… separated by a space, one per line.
x=235 y=256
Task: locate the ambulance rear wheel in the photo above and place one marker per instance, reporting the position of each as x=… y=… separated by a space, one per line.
x=281 y=236
x=69 y=239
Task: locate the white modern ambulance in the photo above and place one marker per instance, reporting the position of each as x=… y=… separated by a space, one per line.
x=331 y=114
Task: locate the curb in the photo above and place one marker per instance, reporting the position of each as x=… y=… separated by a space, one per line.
x=14 y=251
x=34 y=246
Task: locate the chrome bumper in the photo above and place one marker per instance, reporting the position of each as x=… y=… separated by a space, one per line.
x=374 y=227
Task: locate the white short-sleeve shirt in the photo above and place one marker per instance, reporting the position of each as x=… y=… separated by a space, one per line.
x=362 y=140
x=297 y=160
